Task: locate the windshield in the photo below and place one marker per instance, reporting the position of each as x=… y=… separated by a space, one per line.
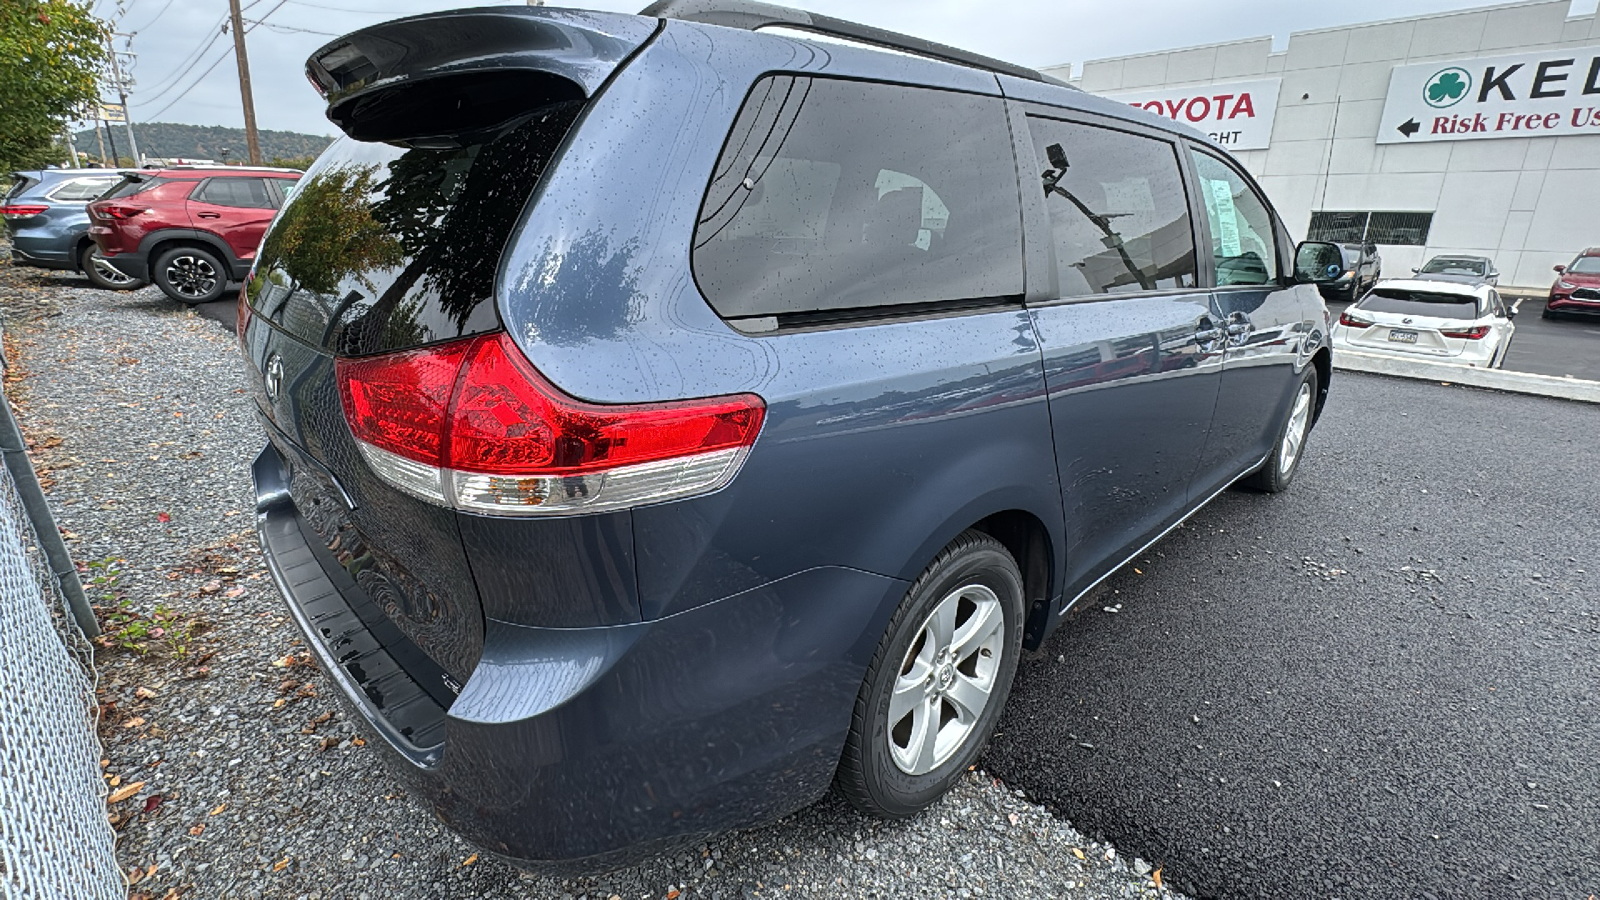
x=1585 y=265
x=1420 y=303
x=1444 y=265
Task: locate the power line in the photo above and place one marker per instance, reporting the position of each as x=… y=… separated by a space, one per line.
x=154 y=19
x=214 y=64
x=287 y=29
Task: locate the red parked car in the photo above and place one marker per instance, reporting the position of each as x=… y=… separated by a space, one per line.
x=189 y=230
x=1577 y=287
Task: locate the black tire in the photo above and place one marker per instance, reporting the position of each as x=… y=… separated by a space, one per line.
x=102 y=274
x=1546 y=314
x=975 y=573
x=190 y=275
x=1279 y=470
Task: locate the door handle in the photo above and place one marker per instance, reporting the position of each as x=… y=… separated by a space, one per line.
x=1239 y=329
x=209 y=215
x=1207 y=337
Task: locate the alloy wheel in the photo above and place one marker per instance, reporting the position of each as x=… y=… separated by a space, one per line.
x=947 y=679
x=1294 y=436
x=191 y=276
x=109 y=273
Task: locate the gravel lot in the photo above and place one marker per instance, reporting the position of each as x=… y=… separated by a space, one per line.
x=250 y=780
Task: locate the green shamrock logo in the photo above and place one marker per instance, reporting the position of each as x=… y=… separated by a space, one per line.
x=1447 y=87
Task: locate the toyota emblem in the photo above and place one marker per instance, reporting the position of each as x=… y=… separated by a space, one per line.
x=274 y=376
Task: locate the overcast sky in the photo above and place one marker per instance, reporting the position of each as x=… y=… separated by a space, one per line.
x=185 y=70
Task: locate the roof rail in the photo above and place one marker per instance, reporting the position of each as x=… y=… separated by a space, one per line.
x=751 y=15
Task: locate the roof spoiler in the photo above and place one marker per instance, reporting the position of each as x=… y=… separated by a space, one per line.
x=455 y=70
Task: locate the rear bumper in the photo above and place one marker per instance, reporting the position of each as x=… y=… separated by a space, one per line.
x=51 y=261
x=583 y=748
x=1473 y=353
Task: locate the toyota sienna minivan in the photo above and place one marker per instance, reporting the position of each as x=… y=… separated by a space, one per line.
x=672 y=416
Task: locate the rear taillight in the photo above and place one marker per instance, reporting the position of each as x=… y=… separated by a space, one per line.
x=1476 y=332
x=472 y=424
x=118 y=210
x=20 y=211
x=1350 y=321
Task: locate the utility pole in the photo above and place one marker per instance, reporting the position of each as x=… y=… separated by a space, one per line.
x=121 y=85
x=72 y=147
x=244 y=84
x=99 y=138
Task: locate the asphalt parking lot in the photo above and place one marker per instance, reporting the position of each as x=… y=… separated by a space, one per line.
x=1378 y=685
x=1561 y=346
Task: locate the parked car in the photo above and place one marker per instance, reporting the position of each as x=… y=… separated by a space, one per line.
x=189 y=230
x=1363 y=267
x=1462 y=269
x=1577 y=287
x=1452 y=321
x=48 y=223
x=703 y=416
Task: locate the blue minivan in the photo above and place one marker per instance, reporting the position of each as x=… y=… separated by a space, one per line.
x=671 y=416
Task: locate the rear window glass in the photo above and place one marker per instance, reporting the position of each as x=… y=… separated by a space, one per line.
x=135 y=184
x=1420 y=303
x=841 y=195
x=19 y=183
x=382 y=247
x=82 y=189
x=1446 y=266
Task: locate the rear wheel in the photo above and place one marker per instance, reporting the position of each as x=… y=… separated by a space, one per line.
x=102 y=274
x=940 y=677
x=190 y=275
x=1278 y=471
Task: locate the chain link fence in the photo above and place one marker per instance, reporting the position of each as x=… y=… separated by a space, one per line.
x=57 y=843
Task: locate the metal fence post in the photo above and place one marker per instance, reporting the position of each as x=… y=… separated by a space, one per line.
x=44 y=522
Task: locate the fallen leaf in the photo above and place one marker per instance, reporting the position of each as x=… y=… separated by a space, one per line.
x=196 y=830
x=134 y=722
x=144 y=693
x=672 y=894
x=470 y=860
x=1156 y=877
x=1138 y=571
x=1014 y=818
x=220 y=808
x=358 y=742
x=1078 y=853
x=125 y=792
x=163 y=517
x=234 y=592
x=281 y=864
x=277 y=703
x=153 y=801
x=116 y=780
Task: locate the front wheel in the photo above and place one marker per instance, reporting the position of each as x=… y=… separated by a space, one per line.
x=102 y=274
x=1275 y=474
x=190 y=275
x=936 y=686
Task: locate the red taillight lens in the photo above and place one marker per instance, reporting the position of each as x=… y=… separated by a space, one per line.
x=117 y=210
x=20 y=211
x=507 y=419
x=398 y=402
x=1350 y=321
x=498 y=437
x=1477 y=332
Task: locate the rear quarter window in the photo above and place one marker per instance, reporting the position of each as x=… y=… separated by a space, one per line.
x=131 y=185
x=836 y=195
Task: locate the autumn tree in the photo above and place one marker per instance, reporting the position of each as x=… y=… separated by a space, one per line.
x=51 y=55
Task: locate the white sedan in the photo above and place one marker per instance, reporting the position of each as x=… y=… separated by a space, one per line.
x=1460 y=323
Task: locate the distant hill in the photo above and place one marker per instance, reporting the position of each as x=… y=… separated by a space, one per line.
x=206 y=142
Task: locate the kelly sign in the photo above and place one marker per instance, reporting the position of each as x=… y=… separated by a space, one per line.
x=1525 y=95
x=1237 y=115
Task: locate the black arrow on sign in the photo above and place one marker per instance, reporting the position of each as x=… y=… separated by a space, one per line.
x=1409 y=128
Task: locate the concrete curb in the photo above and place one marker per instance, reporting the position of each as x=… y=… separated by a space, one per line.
x=1453 y=373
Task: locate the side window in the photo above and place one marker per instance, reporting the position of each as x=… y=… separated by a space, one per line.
x=838 y=195
x=1117 y=209
x=1242 y=243
x=247 y=193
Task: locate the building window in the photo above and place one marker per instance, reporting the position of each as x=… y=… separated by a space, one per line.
x=1406 y=229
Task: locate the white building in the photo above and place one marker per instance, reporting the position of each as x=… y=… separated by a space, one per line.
x=1467 y=132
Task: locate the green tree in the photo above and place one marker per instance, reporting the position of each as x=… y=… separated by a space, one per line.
x=51 y=55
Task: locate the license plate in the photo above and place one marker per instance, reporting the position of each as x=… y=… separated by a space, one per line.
x=1403 y=337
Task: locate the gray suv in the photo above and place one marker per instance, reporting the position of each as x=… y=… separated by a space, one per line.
x=47 y=220
x=668 y=418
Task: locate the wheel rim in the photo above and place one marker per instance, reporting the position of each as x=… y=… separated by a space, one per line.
x=108 y=273
x=1294 y=436
x=191 y=276
x=946 y=680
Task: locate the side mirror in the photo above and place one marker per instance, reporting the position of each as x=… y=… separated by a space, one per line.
x=1057 y=156
x=1416 y=270
x=1560 y=269
x=1316 y=262
x=1511 y=311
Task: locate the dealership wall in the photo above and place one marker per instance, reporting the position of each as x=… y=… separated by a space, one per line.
x=1527 y=202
